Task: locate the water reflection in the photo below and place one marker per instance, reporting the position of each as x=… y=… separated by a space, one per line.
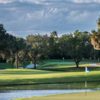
x=31 y=93
x=52 y=86
x=21 y=91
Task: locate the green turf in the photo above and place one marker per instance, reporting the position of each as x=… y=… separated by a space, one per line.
x=67 y=65
x=70 y=96
x=29 y=76
x=57 y=73
x=9 y=65
x=5 y=65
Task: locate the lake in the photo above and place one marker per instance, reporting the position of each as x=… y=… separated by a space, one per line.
x=22 y=91
x=12 y=94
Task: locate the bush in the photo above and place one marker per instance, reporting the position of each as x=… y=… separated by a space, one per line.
x=38 y=62
x=9 y=60
x=27 y=63
x=2 y=60
x=20 y=64
x=41 y=63
x=31 y=62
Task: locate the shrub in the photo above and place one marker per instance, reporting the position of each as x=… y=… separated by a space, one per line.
x=9 y=60
x=41 y=63
x=31 y=62
x=20 y=64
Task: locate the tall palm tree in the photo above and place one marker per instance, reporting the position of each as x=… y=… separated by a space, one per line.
x=54 y=33
x=95 y=37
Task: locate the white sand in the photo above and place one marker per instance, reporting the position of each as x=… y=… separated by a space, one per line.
x=93 y=64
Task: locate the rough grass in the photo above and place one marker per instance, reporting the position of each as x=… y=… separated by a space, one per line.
x=70 y=96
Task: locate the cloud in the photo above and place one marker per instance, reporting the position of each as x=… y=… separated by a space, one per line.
x=28 y=32
x=86 y=1
x=23 y=17
x=78 y=17
x=35 y=15
x=36 y=1
x=42 y=2
x=48 y=2
x=6 y=1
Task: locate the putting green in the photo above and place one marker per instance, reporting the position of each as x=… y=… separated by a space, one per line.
x=61 y=62
x=70 y=96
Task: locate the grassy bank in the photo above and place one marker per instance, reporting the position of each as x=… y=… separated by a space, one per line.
x=26 y=76
x=52 y=86
x=58 y=72
x=70 y=96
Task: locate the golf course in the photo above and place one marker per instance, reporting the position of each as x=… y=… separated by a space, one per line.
x=53 y=74
x=49 y=49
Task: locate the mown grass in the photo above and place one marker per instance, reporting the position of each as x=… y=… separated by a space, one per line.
x=9 y=65
x=20 y=76
x=67 y=65
x=5 y=66
x=58 y=72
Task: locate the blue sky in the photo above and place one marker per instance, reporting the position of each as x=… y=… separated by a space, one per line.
x=23 y=17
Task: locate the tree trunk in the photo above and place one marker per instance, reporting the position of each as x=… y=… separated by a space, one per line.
x=77 y=63
x=23 y=59
x=23 y=63
x=16 y=59
x=94 y=56
x=12 y=62
x=11 y=52
x=34 y=63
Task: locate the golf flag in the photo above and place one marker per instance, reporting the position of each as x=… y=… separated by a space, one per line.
x=86 y=70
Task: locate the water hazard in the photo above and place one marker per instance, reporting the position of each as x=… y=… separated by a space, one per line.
x=13 y=94
x=22 y=91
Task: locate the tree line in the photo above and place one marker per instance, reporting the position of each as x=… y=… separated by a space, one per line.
x=76 y=46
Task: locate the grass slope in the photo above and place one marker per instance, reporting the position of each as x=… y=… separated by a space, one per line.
x=28 y=76
x=57 y=73
x=70 y=96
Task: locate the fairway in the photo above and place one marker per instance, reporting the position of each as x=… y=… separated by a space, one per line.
x=70 y=96
x=61 y=63
x=29 y=76
x=58 y=72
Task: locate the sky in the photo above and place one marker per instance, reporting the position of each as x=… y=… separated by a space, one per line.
x=24 y=17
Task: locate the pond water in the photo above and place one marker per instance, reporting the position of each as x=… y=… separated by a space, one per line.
x=22 y=91
x=12 y=94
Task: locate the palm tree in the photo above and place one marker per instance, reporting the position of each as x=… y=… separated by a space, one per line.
x=95 y=37
x=54 y=33
x=98 y=22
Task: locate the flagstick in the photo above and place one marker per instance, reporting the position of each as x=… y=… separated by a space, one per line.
x=85 y=83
